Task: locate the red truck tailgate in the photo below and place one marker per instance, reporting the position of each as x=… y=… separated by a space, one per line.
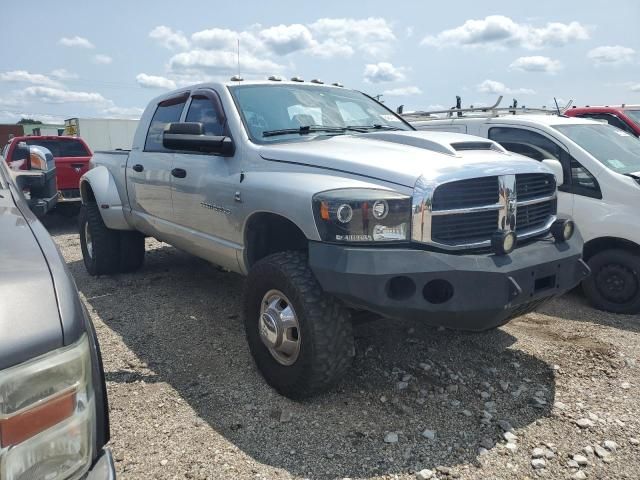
x=69 y=170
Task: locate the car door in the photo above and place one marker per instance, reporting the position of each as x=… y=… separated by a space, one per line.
x=204 y=187
x=149 y=171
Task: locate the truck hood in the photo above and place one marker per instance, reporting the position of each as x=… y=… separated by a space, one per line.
x=29 y=318
x=401 y=157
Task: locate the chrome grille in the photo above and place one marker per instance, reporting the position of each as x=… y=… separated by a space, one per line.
x=465 y=213
x=466 y=193
x=534 y=185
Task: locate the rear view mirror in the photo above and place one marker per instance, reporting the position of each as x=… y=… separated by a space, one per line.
x=556 y=167
x=188 y=136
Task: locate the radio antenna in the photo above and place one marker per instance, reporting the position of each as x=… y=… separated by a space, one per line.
x=238 y=57
x=557 y=107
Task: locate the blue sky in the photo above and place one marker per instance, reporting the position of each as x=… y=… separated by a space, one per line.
x=109 y=58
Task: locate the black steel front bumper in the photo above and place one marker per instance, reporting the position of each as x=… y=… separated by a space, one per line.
x=464 y=291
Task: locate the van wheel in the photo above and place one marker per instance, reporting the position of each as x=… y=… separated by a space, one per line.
x=614 y=284
x=100 y=245
x=300 y=337
x=131 y=251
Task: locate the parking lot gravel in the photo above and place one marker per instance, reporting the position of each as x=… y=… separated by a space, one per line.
x=554 y=394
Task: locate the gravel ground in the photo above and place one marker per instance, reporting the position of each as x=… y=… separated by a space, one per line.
x=553 y=394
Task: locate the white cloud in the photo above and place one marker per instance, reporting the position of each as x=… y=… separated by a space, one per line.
x=76 y=41
x=499 y=88
x=536 y=64
x=635 y=87
x=12 y=116
x=372 y=36
x=173 y=40
x=498 y=31
x=611 y=55
x=123 y=112
x=57 y=95
x=26 y=77
x=382 y=72
x=63 y=74
x=102 y=59
x=220 y=61
x=285 y=39
x=154 y=81
x=402 y=91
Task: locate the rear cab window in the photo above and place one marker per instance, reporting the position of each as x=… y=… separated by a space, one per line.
x=167 y=111
x=62 y=147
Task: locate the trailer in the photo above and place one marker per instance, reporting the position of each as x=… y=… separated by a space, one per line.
x=102 y=133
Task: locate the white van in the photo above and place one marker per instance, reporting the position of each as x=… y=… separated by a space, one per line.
x=598 y=171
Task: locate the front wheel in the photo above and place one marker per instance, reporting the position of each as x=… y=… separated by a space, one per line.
x=300 y=337
x=614 y=284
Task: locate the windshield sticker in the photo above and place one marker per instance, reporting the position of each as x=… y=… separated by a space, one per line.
x=390 y=118
x=615 y=163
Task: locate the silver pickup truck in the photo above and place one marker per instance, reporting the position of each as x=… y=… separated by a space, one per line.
x=330 y=204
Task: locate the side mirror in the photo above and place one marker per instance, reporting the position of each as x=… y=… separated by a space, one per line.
x=189 y=136
x=556 y=167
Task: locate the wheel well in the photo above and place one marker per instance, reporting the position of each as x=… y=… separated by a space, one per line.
x=268 y=233
x=606 y=243
x=86 y=192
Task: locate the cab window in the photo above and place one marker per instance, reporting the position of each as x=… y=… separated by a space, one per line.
x=577 y=179
x=202 y=110
x=168 y=111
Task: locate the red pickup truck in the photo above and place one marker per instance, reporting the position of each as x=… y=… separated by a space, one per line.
x=625 y=117
x=71 y=156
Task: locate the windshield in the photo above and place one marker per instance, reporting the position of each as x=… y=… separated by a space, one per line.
x=292 y=112
x=634 y=114
x=609 y=145
x=60 y=147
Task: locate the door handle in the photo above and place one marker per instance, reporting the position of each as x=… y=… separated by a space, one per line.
x=138 y=168
x=179 y=172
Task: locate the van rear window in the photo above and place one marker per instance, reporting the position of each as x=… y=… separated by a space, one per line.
x=59 y=148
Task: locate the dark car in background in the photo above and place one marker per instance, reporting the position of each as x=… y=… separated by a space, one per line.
x=54 y=420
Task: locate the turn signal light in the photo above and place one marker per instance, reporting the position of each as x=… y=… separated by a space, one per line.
x=23 y=425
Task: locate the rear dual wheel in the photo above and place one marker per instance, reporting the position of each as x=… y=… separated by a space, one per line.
x=104 y=250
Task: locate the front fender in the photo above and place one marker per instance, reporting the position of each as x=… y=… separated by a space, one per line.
x=98 y=183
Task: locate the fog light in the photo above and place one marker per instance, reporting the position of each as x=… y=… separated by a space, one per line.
x=503 y=242
x=562 y=230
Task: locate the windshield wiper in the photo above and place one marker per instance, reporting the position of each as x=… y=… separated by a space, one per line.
x=376 y=126
x=303 y=130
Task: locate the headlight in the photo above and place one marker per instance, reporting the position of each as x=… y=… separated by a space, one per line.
x=358 y=215
x=47 y=416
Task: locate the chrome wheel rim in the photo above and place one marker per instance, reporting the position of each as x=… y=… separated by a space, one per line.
x=87 y=240
x=279 y=327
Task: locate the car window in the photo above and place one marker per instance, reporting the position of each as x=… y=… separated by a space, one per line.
x=577 y=179
x=168 y=111
x=67 y=147
x=610 y=118
x=269 y=108
x=612 y=147
x=526 y=142
x=202 y=110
